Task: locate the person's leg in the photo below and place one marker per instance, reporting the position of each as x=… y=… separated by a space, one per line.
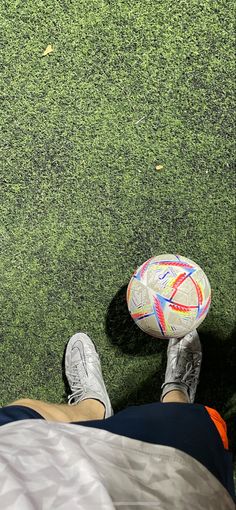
x=89 y=399
x=84 y=373
x=89 y=409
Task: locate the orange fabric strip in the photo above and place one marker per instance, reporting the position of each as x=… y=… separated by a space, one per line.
x=220 y=425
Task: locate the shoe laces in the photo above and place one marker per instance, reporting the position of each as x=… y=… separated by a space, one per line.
x=78 y=386
x=191 y=375
x=76 y=395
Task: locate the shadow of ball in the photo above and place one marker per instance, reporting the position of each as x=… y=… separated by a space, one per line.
x=124 y=333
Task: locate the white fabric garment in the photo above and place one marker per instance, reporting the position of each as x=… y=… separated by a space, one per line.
x=60 y=466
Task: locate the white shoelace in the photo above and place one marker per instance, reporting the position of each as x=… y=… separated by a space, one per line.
x=191 y=376
x=76 y=395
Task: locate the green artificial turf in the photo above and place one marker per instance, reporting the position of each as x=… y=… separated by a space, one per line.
x=129 y=85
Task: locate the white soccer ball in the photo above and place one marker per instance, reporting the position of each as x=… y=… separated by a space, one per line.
x=168 y=296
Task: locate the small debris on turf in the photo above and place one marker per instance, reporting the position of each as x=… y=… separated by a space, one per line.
x=159 y=167
x=140 y=119
x=48 y=50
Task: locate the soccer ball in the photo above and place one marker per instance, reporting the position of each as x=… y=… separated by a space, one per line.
x=168 y=296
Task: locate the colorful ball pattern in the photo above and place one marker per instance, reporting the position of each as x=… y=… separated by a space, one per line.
x=168 y=296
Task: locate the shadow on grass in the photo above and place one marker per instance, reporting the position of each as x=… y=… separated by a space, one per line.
x=217 y=379
x=67 y=390
x=123 y=333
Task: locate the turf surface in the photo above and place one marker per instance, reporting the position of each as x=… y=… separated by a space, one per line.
x=129 y=85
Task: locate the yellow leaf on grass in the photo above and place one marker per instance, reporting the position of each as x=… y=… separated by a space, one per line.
x=48 y=50
x=159 y=167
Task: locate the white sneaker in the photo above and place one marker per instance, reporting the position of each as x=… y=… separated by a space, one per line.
x=184 y=357
x=84 y=373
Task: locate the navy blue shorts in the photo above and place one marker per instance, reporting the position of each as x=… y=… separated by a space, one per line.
x=187 y=427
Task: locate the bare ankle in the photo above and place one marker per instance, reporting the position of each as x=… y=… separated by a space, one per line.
x=175 y=396
x=93 y=407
